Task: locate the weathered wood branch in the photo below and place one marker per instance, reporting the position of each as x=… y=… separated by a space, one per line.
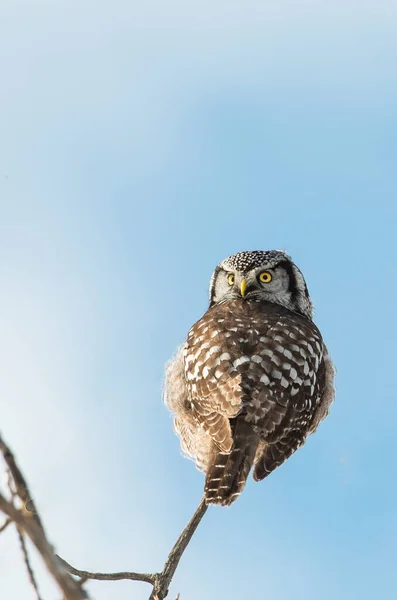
x=163 y=579
x=27 y=520
x=147 y=577
x=159 y=581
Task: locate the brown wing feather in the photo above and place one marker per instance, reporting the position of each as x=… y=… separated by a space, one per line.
x=254 y=362
x=213 y=413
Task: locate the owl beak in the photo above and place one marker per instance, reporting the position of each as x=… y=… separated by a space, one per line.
x=243 y=287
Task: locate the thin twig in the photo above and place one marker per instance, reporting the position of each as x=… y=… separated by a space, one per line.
x=29 y=568
x=11 y=486
x=163 y=580
x=29 y=522
x=21 y=487
x=147 y=577
x=5 y=524
x=26 y=522
x=159 y=581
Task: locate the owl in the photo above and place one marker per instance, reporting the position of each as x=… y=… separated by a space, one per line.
x=253 y=378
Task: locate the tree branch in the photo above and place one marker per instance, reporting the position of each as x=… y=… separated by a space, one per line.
x=28 y=522
x=146 y=577
x=29 y=567
x=163 y=579
x=21 y=487
x=159 y=581
x=6 y=523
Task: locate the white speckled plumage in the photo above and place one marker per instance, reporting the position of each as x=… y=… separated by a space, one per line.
x=253 y=378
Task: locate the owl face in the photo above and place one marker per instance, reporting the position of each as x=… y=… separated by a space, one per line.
x=261 y=275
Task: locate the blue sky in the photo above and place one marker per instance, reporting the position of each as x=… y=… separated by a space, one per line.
x=142 y=143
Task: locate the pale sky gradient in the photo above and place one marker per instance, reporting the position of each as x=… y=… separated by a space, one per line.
x=140 y=144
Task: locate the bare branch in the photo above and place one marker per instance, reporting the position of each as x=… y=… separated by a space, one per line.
x=159 y=581
x=5 y=524
x=163 y=580
x=29 y=522
x=147 y=577
x=29 y=568
x=21 y=487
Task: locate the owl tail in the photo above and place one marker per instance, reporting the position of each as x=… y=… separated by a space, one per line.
x=228 y=472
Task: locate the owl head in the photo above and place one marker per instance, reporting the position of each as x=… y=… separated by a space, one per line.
x=261 y=275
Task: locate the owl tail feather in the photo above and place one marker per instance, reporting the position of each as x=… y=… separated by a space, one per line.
x=228 y=472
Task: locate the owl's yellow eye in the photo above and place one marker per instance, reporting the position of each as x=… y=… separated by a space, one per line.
x=230 y=279
x=265 y=277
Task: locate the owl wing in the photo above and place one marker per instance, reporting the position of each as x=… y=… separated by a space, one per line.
x=328 y=395
x=301 y=417
x=194 y=443
x=214 y=388
x=214 y=410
